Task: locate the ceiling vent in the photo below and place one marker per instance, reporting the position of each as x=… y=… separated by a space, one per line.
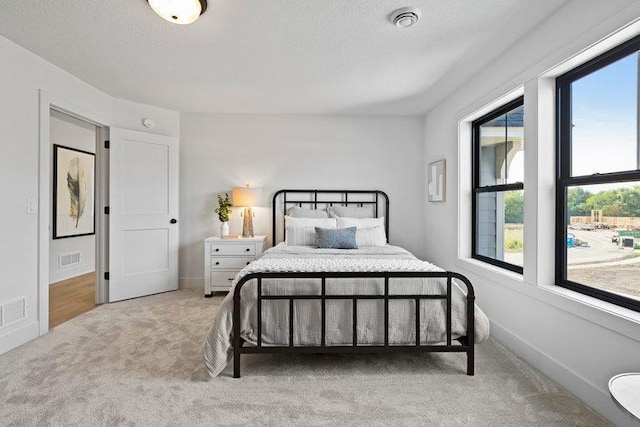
x=405 y=17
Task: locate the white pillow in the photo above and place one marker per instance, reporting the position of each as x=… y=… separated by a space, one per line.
x=371 y=236
x=302 y=231
x=370 y=231
x=298 y=212
x=351 y=211
x=359 y=222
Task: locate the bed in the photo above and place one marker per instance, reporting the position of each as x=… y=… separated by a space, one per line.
x=375 y=298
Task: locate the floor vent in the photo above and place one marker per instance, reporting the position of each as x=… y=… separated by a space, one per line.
x=13 y=311
x=69 y=259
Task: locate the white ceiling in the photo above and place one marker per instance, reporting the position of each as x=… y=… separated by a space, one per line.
x=269 y=56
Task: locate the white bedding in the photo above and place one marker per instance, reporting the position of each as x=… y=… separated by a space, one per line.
x=217 y=348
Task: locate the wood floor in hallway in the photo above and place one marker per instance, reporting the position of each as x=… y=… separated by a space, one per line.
x=70 y=298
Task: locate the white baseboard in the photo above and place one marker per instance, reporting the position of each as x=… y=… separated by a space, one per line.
x=18 y=334
x=598 y=399
x=68 y=273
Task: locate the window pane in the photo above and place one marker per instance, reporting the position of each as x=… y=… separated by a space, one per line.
x=603 y=237
x=499 y=226
x=604 y=109
x=501 y=149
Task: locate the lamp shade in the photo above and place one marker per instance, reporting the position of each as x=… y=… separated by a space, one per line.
x=179 y=11
x=247 y=196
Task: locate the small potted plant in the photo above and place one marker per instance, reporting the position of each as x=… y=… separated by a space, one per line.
x=223 y=211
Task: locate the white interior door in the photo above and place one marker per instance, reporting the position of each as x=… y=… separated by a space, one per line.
x=143 y=214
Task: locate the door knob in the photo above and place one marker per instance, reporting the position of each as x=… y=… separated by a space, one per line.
x=173 y=221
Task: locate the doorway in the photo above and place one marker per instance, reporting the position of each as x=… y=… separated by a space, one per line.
x=73 y=235
x=127 y=164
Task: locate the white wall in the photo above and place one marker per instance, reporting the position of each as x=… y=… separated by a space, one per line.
x=22 y=75
x=578 y=341
x=73 y=133
x=219 y=152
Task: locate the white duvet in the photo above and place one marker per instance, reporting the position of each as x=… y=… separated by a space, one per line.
x=217 y=348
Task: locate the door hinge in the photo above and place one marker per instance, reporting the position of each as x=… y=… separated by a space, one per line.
x=107 y=144
x=106 y=275
x=106 y=210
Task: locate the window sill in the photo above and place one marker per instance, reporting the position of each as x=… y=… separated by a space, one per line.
x=610 y=316
x=491 y=272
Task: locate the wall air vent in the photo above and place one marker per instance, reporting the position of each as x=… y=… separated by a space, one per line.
x=66 y=260
x=13 y=311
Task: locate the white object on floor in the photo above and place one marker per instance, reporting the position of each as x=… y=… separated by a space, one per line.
x=625 y=391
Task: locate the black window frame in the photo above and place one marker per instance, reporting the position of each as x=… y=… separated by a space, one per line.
x=564 y=180
x=477 y=189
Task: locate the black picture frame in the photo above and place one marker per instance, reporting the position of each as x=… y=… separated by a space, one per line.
x=73 y=199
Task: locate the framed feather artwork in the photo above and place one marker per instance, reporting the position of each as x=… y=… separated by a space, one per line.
x=73 y=192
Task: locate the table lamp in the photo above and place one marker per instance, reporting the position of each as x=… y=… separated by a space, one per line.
x=247 y=197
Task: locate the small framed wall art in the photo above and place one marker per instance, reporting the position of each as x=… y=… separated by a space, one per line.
x=73 y=192
x=437 y=181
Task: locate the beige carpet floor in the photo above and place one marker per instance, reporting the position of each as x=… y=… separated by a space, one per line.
x=138 y=363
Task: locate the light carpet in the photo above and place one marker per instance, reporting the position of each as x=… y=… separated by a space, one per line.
x=139 y=363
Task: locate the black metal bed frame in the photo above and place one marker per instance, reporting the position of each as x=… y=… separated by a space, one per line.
x=464 y=344
x=378 y=200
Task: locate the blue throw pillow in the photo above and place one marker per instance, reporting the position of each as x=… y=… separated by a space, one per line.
x=336 y=238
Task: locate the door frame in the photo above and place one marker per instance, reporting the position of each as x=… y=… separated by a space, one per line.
x=48 y=102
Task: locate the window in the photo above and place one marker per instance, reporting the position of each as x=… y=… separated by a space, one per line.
x=598 y=182
x=498 y=196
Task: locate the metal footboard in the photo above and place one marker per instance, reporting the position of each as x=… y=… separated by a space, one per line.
x=464 y=344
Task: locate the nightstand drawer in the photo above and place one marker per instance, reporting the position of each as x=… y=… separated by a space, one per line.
x=230 y=263
x=223 y=278
x=233 y=249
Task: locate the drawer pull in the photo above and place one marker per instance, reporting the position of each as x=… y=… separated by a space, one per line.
x=217 y=249
x=247 y=250
x=217 y=262
x=248 y=262
x=230 y=279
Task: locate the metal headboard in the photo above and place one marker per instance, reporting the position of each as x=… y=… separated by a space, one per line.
x=319 y=199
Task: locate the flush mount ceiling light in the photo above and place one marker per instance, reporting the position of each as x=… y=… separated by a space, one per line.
x=405 y=17
x=179 y=11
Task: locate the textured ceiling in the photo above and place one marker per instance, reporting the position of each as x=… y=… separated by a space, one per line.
x=269 y=56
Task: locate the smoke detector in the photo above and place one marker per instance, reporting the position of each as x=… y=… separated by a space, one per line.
x=405 y=17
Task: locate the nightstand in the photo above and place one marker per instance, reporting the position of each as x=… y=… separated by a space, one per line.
x=224 y=258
